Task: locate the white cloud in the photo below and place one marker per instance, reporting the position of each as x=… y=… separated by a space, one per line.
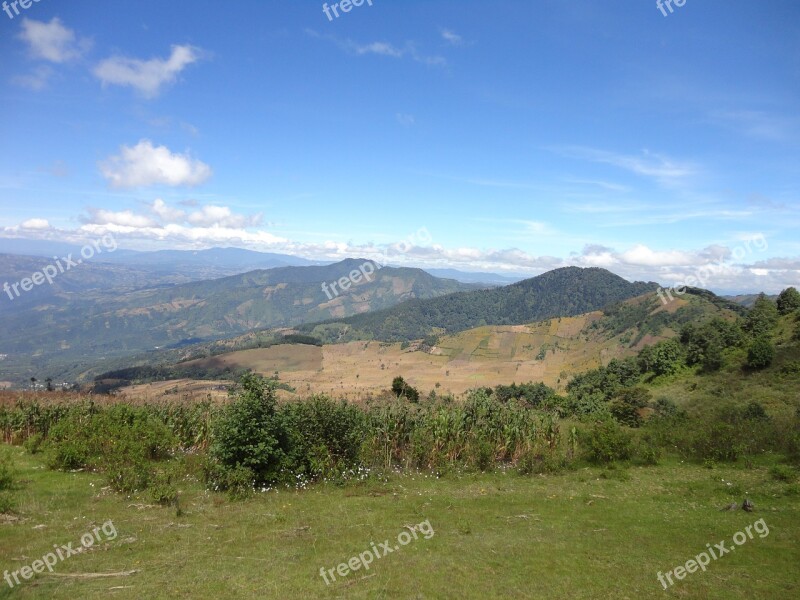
x=644 y=256
x=35 y=224
x=221 y=216
x=656 y=166
x=146 y=76
x=167 y=213
x=145 y=165
x=125 y=218
x=52 y=41
x=452 y=37
x=382 y=49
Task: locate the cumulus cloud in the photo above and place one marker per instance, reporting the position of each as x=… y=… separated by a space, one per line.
x=167 y=213
x=52 y=41
x=146 y=76
x=125 y=218
x=221 y=216
x=209 y=224
x=741 y=267
x=145 y=165
x=35 y=224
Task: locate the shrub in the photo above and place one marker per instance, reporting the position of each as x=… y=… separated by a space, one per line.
x=162 y=489
x=248 y=434
x=325 y=436
x=33 y=443
x=481 y=455
x=606 y=442
x=627 y=404
x=718 y=441
x=547 y=462
x=783 y=473
x=119 y=441
x=788 y=301
x=401 y=389
x=761 y=353
x=647 y=452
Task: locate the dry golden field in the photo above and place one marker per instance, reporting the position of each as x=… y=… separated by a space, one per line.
x=549 y=351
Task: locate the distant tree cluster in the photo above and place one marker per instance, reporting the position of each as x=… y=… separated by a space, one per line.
x=402 y=389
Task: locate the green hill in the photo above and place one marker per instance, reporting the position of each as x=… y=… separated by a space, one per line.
x=72 y=330
x=560 y=293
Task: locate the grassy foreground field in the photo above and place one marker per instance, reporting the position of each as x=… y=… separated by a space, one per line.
x=591 y=533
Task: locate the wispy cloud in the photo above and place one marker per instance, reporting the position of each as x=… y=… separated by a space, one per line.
x=36 y=80
x=451 y=37
x=380 y=48
x=146 y=76
x=759 y=124
x=665 y=170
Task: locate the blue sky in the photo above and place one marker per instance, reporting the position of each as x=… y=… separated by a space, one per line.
x=505 y=136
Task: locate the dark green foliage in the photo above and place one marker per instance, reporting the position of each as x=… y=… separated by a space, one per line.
x=249 y=433
x=729 y=433
x=761 y=353
x=788 y=301
x=762 y=318
x=259 y=444
x=606 y=442
x=705 y=344
x=326 y=436
x=628 y=403
x=120 y=441
x=600 y=385
x=562 y=292
x=296 y=338
x=664 y=358
x=113 y=380
x=532 y=394
x=402 y=389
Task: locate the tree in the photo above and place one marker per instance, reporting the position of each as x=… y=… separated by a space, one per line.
x=627 y=404
x=761 y=353
x=33 y=383
x=401 y=389
x=762 y=317
x=248 y=435
x=662 y=359
x=788 y=301
x=49 y=382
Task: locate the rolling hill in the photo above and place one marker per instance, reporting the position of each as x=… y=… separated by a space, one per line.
x=550 y=351
x=69 y=329
x=560 y=293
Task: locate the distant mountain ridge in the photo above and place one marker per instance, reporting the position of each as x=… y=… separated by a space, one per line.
x=81 y=325
x=563 y=292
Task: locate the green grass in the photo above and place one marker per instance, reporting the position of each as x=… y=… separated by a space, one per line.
x=587 y=534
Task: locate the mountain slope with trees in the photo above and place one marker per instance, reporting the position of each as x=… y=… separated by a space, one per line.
x=560 y=293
